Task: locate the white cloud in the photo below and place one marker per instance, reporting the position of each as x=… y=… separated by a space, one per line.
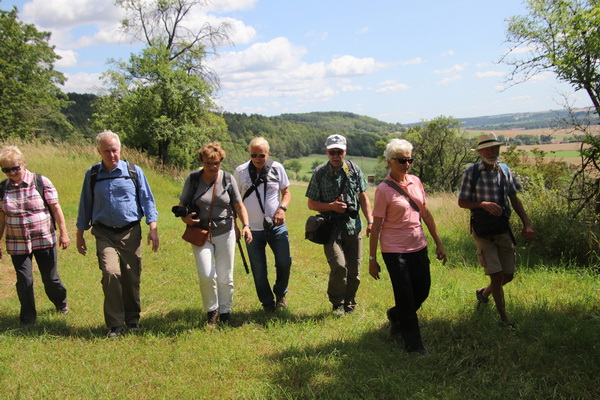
x=452 y=70
x=391 y=86
x=449 y=80
x=68 y=58
x=448 y=53
x=521 y=98
x=351 y=66
x=488 y=74
x=413 y=61
x=230 y=5
x=83 y=83
x=70 y=13
x=363 y=30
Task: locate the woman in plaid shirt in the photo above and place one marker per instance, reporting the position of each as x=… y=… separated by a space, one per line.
x=30 y=232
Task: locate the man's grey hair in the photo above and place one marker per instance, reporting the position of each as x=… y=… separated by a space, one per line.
x=107 y=135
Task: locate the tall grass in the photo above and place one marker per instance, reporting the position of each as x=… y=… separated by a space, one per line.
x=303 y=352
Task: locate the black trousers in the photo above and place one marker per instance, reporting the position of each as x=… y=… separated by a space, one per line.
x=411 y=281
x=55 y=290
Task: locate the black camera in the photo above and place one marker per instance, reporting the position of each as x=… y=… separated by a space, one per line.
x=268 y=224
x=351 y=210
x=182 y=211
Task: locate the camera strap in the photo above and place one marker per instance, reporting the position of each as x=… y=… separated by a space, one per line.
x=257 y=180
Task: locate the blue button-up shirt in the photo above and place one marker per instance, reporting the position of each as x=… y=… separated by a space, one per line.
x=115 y=202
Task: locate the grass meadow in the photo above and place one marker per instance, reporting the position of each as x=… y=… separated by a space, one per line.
x=303 y=352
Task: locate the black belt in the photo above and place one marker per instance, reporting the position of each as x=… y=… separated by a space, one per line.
x=118 y=229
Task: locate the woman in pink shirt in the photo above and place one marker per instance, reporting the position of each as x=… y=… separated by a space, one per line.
x=399 y=207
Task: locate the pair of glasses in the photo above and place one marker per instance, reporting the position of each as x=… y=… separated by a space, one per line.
x=335 y=152
x=253 y=155
x=11 y=169
x=404 y=160
x=212 y=164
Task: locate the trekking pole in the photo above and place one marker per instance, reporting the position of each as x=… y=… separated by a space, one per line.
x=243 y=256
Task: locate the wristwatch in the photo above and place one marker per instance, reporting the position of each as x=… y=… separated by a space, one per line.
x=284 y=208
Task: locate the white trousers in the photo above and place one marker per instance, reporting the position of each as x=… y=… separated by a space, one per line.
x=214 y=262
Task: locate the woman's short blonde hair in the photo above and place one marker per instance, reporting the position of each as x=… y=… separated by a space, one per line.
x=11 y=153
x=211 y=151
x=397 y=146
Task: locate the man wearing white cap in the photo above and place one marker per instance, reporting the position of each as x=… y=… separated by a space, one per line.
x=338 y=189
x=486 y=189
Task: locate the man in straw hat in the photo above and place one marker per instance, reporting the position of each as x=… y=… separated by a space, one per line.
x=486 y=189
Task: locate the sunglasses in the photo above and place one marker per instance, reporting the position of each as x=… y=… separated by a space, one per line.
x=212 y=164
x=335 y=152
x=403 y=160
x=253 y=155
x=11 y=169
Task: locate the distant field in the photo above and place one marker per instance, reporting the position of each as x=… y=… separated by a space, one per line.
x=510 y=133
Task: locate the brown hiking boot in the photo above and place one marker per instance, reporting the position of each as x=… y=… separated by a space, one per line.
x=280 y=302
x=212 y=318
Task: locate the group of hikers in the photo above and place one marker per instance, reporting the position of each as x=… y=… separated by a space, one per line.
x=116 y=196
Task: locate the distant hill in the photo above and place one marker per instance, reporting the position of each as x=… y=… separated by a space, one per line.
x=526 y=120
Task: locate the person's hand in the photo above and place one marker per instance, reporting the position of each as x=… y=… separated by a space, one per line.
x=279 y=217
x=492 y=208
x=247 y=234
x=441 y=254
x=153 y=237
x=191 y=219
x=64 y=241
x=374 y=269
x=369 y=229
x=81 y=247
x=339 y=206
x=528 y=233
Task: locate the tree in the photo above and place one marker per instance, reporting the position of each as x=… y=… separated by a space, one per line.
x=440 y=153
x=30 y=101
x=564 y=37
x=161 y=99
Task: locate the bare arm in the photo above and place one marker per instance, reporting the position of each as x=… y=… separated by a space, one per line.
x=153 y=236
x=374 y=267
x=286 y=197
x=242 y=214
x=365 y=205
x=2 y=225
x=527 y=232
x=432 y=227
x=59 y=217
x=490 y=207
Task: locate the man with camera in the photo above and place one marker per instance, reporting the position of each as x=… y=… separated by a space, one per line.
x=264 y=186
x=338 y=189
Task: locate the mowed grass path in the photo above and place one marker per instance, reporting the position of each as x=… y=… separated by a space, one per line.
x=303 y=352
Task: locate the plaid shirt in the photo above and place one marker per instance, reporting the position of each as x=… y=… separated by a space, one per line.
x=28 y=224
x=488 y=186
x=327 y=191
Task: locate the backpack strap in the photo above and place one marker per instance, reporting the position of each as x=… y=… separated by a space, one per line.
x=39 y=186
x=132 y=174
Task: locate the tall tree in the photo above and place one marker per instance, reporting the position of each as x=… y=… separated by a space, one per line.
x=161 y=99
x=30 y=101
x=563 y=36
x=440 y=152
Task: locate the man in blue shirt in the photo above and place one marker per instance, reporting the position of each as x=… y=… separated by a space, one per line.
x=113 y=202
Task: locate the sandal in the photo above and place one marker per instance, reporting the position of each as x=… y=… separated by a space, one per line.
x=480 y=298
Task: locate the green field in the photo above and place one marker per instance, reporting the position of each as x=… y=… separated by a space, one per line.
x=303 y=352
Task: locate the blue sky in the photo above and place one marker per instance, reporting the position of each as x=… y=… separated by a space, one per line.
x=394 y=60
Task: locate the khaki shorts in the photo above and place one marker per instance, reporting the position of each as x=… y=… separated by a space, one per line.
x=496 y=255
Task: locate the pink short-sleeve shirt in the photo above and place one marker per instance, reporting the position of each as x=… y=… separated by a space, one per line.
x=401 y=230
